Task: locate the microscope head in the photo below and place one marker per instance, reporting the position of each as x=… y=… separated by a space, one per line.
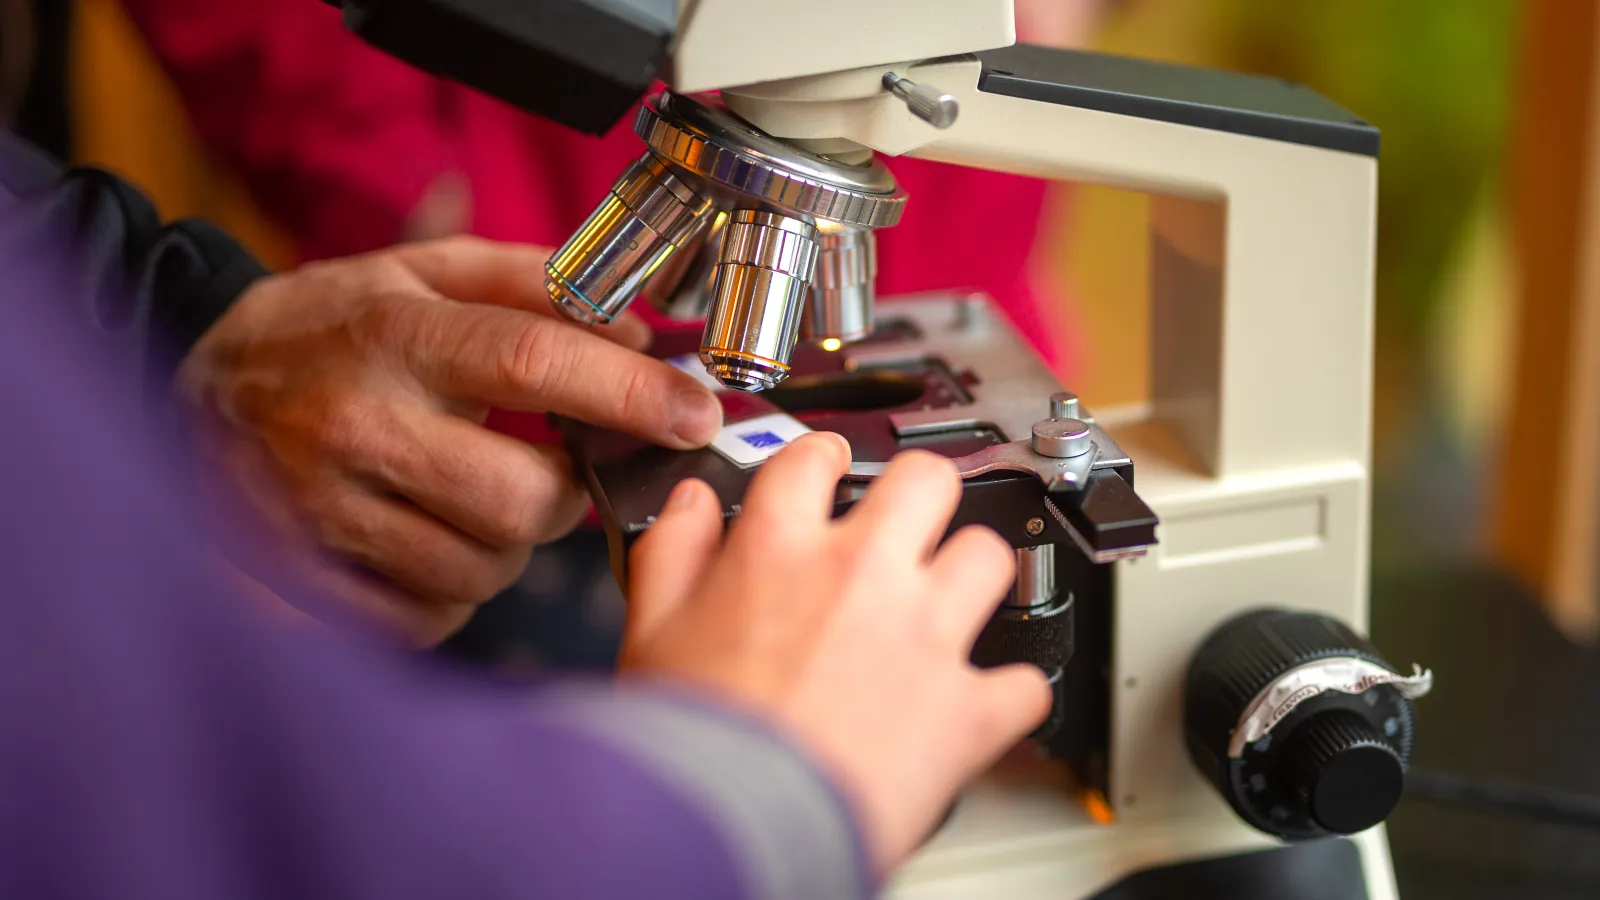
x=780 y=231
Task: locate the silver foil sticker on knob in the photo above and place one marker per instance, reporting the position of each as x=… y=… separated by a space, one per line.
x=1346 y=674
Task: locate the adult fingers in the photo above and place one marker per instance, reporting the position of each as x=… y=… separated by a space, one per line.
x=910 y=504
x=500 y=490
x=418 y=622
x=628 y=330
x=420 y=554
x=798 y=483
x=971 y=572
x=476 y=270
x=672 y=557
x=526 y=363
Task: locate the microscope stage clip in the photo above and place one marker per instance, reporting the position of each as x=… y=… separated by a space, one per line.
x=1058 y=475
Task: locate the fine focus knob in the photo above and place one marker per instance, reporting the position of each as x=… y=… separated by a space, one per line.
x=1344 y=772
x=1299 y=723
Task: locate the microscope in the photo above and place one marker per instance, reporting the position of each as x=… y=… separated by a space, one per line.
x=1192 y=573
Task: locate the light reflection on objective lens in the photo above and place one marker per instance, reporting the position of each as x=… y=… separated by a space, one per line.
x=763 y=277
x=650 y=212
x=842 y=292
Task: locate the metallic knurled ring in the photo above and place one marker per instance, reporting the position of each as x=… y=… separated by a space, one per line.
x=846 y=259
x=701 y=136
x=654 y=193
x=769 y=241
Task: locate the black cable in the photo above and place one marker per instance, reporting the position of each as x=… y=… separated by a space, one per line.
x=1505 y=798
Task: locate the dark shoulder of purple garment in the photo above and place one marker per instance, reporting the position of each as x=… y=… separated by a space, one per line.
x=140 y=291
x=160 y=737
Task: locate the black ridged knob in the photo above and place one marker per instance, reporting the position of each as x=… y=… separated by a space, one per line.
x=1299 y=723
x=1348 y=777
x=1041 y=636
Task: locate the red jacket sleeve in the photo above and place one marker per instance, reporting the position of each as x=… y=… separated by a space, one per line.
x=334 y=140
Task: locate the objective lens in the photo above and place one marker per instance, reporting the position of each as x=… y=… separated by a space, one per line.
x=683 y=289
x=842 y=292
x=763 y=275
x=648 y=215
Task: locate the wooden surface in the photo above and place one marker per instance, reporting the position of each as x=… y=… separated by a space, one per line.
x=1543 y=523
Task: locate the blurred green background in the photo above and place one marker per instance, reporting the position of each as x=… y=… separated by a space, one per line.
x=1436 y=77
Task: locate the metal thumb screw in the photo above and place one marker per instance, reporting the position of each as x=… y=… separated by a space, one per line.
x=925 y=101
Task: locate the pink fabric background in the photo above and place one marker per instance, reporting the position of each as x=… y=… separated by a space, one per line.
x=338 y=143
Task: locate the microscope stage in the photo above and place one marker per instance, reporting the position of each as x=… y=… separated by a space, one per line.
x=942 y=373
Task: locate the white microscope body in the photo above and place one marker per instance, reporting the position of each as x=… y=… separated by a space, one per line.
x=1253 y=450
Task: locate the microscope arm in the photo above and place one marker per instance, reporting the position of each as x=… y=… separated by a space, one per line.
x=1251 y=177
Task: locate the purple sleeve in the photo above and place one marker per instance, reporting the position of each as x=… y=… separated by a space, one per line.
x=162 y=738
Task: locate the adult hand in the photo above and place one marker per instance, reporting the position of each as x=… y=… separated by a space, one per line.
x=348 y=398
x=852 y=635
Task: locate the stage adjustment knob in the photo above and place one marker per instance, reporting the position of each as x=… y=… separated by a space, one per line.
x=1300 y=724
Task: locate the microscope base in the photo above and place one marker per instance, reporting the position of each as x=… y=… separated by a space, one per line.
x=1024 y=840
x=1334 y=869
x=947 y=372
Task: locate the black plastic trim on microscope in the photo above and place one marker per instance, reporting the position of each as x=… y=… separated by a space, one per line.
x=580 y=63
x=1250 y=105
x=1321 y=870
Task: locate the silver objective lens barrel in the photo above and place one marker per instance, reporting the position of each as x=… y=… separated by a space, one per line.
x=690 y=298
x=763 y=274
x=842 y=291
x=648 y=215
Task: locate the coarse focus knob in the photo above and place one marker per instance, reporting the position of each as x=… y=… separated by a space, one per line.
x=1300 y=724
